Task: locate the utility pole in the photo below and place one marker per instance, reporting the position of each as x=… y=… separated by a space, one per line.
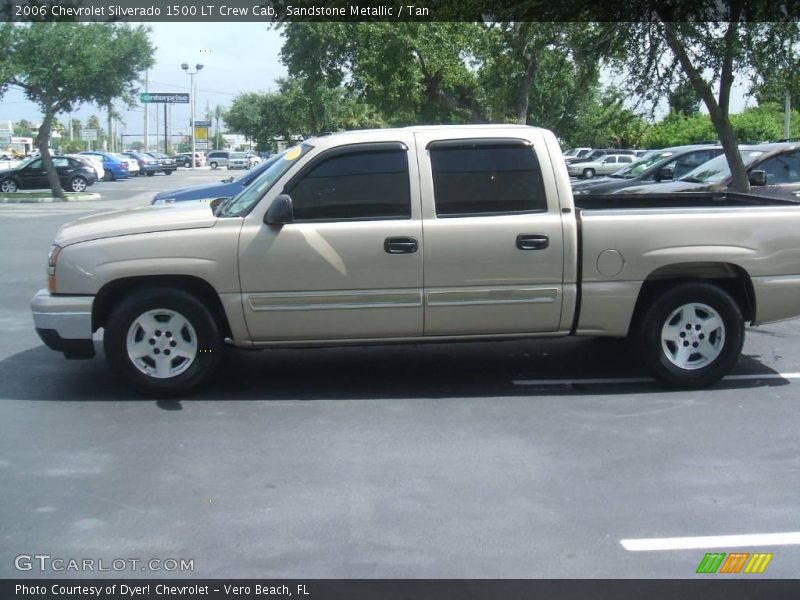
x=146 y=110
x=110 y=131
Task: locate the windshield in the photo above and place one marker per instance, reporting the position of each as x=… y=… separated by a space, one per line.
x=717 y=168
x=249 y=197
x=259 y=168
x=26 y=162
x=640 y=166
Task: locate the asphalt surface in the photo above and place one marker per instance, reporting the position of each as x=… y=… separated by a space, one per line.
x=521 y=459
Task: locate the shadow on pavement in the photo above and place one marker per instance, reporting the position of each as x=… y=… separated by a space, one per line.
x=464 y=370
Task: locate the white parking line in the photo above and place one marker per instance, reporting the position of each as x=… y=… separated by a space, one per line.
x=618 y=380
x=712 y=541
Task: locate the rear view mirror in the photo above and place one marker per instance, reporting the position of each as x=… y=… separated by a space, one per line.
x=280 y=211
x=758 y=177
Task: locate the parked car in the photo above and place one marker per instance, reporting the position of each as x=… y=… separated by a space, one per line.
x=413 y=235
x=773 y=169
x=255 y=159
x=184 y=159
x=133 y=164
x=115 y=168
x=93 y=162
x=226 y=188
x=166 y=164
x=218 y=158
x=238 y=160
x=596 y=154
x=603 y=166
x=75 y=175
x=148 y=165
x=658 y=166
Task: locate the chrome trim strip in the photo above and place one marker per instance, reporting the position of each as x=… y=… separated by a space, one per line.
x=491 y=296
x=334 y=300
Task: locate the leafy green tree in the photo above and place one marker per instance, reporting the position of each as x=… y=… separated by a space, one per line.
x=665 y=47
x=72 y=146
x=683 y=100
x=607 y=123
x=62 y=65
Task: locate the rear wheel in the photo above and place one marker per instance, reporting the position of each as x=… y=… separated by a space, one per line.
x=109 y=176
x=162 y=342
x=151 y=173
x=78 y=184
x=692 y=335
x=8 y=186
x=588 y=173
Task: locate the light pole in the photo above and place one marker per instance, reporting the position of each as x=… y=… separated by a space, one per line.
x=191 y=74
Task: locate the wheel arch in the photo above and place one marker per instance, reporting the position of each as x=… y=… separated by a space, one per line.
x=730 y=277
x=110 y=294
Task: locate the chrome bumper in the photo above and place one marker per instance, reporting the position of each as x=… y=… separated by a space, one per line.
x=64 y=323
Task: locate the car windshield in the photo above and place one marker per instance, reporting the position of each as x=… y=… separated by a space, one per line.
x=640 y=166
x=238 y=155
x=26 y=162
x=258 y=169
x=717 y=168
x=240 y=204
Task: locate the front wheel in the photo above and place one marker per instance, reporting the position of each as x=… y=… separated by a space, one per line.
x=588 y=173
x=162 y=342
x=8 y=186
x=692 y=335
x=151 y=173
x=214 y=165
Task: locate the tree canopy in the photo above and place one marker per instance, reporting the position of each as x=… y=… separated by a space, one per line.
x=62 y=65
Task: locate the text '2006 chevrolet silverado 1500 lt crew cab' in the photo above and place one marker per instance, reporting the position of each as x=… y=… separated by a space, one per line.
x=419 y=234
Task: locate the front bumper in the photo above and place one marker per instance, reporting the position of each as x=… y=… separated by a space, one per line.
x=64 y=323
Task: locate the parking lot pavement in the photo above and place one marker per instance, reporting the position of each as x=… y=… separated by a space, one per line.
x=516 y=459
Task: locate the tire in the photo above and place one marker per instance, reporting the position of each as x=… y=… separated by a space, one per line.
x=78 y=184
x=8 y=186
x=150 y=173
x=187 y=163
x=691 y=336
x=214 y=165
x=588 y=173
x=167 y=172
x=139 y=340
x=109 y=176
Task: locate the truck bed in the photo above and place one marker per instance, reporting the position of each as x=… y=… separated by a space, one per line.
x=676 y=200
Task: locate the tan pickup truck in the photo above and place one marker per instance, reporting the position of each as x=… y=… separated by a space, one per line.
x=419 y=234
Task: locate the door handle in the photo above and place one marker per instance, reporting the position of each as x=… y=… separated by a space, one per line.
x=536 y=241
x=400 y=245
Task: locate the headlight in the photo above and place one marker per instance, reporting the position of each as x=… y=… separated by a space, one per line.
x=52 y=259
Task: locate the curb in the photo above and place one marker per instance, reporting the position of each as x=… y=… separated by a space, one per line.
x=46 y=199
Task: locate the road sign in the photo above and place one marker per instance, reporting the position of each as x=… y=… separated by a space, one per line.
x=152 y=97
x=201 y=145
x=202 y=123
x=89 y=135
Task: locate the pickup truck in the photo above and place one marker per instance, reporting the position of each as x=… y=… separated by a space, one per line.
x=419 y=234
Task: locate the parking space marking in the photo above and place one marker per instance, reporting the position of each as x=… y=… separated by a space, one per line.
x=712 y=541
x=618 y=380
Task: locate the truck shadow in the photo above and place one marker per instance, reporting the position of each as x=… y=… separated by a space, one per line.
x=466 y=370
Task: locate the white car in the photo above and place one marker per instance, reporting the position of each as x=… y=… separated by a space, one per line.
x=255 y=159
x=133 y=164
x=94 y=162
x=238 y=160
x=604 y=165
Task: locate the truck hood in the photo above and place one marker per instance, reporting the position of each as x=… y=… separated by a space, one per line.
x=147 y=219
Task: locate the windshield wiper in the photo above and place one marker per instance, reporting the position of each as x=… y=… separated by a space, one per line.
x=692 y=180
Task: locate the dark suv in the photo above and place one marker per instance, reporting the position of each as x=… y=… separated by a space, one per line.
x=166 y=164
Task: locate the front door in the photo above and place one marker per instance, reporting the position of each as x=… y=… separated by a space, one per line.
x=349 y=265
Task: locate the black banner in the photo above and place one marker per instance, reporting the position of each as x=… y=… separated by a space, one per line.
x=392 y=10
x=402 y=589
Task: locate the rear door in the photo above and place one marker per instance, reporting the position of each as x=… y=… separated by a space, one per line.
x=783 y=176
x=494 y=250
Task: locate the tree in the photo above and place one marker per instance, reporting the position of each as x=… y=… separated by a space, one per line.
x=61 y=65
x=683 y=100
x=702 y=42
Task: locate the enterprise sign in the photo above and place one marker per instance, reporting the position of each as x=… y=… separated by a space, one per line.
x=152 y=97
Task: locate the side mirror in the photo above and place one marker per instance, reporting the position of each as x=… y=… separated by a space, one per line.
x=217 y=201
x=280 y=211
x=758 y=177
x=665 y=173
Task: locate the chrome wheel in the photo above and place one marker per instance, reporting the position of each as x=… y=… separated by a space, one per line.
x=161 y=343
x=78 y=184
x=8 y=186
x=693 y=336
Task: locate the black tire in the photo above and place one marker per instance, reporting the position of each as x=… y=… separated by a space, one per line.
x=167 y=172
x=8 y=186
x=588 y=174
x=78 y=184
x=150 y=173
x=214 y=165
x=684 y=316
x=206 y=337
x=109 y=176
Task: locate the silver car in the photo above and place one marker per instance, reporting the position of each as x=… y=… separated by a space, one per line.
x=238 y=160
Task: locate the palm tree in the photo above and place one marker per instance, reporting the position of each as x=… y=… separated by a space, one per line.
x=219 y=113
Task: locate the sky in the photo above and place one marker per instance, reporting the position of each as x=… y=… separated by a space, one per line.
x=236 y=57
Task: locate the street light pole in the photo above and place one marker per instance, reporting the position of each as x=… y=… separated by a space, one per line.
x=191 y=74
